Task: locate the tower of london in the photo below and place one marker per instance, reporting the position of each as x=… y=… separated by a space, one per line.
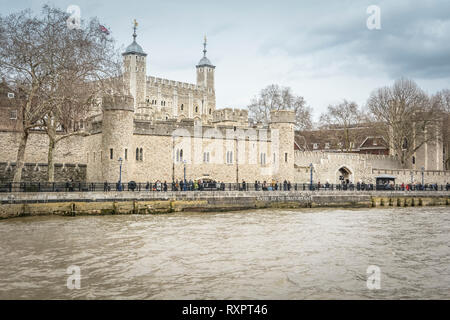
x=169 y=130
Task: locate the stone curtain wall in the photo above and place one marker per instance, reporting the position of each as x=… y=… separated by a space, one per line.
x=364 y=168
x=94 y=155
x=404 y=176
x=69 y=150
x=327 y=165
x=37 y=172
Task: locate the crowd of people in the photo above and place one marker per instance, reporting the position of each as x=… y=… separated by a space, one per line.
x=200 y=185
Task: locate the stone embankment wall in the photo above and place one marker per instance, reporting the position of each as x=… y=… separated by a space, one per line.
x=103 y=203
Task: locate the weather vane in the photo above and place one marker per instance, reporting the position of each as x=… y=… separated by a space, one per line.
x=204 y=47
x=135 y=24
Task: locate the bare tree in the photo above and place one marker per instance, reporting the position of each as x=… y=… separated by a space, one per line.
x=405 y=116
x=442 y=99
x=87 y=66
x=343 y=117
x=23 y=56
x=56 y=68
x=274 y=97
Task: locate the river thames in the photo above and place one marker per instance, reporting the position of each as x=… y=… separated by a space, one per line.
x=265 y=254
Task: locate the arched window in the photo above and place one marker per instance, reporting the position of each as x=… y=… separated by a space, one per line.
x=414 y=160
x=181 y=155
x=137 y=154
x=141 y=154
x=210 y=111
x=182 y=106
x=196 y=109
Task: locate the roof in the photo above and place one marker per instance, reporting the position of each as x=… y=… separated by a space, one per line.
x=385 y=176
x=333 y=139
x=204 y=62
x=134 y=48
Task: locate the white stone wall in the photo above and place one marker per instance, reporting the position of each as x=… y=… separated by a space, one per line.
x=363 y=168
x=178 y=99
x=69 y=150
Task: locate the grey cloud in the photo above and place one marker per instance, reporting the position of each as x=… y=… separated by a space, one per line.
x=414 y=39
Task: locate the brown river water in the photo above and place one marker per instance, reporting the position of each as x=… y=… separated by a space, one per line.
x=265 y=254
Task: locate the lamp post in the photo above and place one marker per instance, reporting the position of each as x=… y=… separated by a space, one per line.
x=120 y=174
x=237 y=163
x=311 y=181
x=184 y=184
x=173 y=160
x=423 y=171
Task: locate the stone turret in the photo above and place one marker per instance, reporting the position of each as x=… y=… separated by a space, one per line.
x=205 y=71
x=135 y=70
x=282 y=135
x=117 y=137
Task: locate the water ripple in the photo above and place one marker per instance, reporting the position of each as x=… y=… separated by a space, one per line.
x=267 y=254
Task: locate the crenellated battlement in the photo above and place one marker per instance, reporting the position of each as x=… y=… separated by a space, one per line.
x=341 y=155
x=118 y=102
x=230 y=115
x=282 y=116
x=155 y=81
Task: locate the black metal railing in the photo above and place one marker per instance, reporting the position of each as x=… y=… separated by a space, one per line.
x=207 y=186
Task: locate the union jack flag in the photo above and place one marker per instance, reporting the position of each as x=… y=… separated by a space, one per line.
x=104 y=30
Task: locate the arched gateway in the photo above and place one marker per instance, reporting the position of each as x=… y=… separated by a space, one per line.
x=344 y=174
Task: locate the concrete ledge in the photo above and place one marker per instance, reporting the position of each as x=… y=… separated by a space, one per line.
x=272 y=196
x=101 y=203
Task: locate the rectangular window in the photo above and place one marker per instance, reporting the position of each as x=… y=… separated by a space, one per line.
x=10 y=95
x=13 y=115
x=126 y=154
x=315 y=146
x=327 y=145
x=263 y=159
x=286 y=157
x=111 y=154
x=229 y=157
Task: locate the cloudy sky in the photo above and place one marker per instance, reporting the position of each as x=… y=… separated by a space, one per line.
x=322 y=49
